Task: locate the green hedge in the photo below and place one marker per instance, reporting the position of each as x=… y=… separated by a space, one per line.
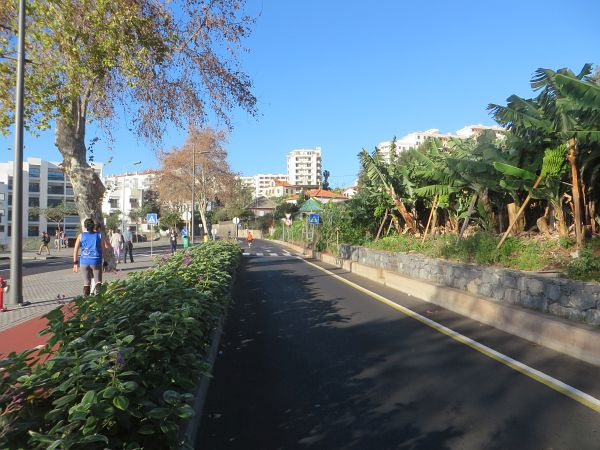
x=125 y=362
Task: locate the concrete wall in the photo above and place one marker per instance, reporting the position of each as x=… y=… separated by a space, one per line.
x=573 y=300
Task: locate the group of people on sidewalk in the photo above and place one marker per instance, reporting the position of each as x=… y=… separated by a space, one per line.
x=120 y=242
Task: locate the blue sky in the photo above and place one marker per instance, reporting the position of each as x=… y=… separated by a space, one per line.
x=344 y=75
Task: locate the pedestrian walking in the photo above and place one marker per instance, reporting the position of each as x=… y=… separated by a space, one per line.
x=127 y=245
x=45 y=242
x=173 y=239
x=116 y=241
x=94 y=249
x=57 y=243
x=249 y=238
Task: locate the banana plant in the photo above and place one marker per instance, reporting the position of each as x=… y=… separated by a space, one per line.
x=393 y=179
x=545 y=186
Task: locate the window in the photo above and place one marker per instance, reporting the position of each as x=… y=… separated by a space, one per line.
x=33 y=217
x=34 y=201
x=55 y=175
x=56 y=190
x=9 y=215
x=52 y=202
x=34 y=171
x=113 y=202
x=33 y=231
x=2 y=196
x=134 y=203
x=34 y=187
x=1 y=228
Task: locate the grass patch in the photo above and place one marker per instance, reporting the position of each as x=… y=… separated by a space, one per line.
x=521 y=253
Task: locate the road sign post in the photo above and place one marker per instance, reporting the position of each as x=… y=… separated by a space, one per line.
x=151 y=220
x=236 y=222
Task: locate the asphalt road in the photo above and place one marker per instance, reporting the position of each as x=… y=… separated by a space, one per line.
x=308 y=362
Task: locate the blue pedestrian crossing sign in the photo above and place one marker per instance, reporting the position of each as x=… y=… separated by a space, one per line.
x=152 y=219
x=313 y=219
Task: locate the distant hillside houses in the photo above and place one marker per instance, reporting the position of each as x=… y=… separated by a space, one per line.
x=416 y=138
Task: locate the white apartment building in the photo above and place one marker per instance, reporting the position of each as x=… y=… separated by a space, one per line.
x=304 y=167
x=44 y=185
x=476 y=130
x=416 y=138
x=125 y=192
x=261 y=182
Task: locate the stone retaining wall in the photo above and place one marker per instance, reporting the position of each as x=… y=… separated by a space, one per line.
x=574 y=300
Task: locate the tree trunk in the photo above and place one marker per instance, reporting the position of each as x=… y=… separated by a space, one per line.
x=87 y=186
x=433 y=208
x=592 y=206
x=489 y=211
x=572 y=158
x=382 y=224
x=408 y=218
x=512 y=223
x=542 y=225
x=468 y=218
x=519 y=222
x=563 y=230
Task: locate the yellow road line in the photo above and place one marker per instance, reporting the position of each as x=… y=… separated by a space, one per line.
x=557 y=385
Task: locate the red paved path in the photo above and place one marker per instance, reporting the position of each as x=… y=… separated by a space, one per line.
x=23 y=336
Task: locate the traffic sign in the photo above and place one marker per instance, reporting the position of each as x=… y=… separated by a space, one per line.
x=313 y=219
x=152 y=219
x=235 y=220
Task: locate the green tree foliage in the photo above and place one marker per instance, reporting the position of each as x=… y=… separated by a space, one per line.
x=160 y=62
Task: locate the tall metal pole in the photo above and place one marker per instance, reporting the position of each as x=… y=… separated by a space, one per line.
x=16 y=257
x=193 y=191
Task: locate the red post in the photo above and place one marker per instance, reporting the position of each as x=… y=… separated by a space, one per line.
x=2 y=286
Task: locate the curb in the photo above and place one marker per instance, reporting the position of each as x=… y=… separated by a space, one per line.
x=192 y=425
x=570 y=338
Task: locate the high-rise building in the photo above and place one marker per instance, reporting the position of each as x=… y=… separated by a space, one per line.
x=304 y=167
x=45 y=185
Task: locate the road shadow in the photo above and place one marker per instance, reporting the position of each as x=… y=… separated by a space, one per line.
x=305 y=363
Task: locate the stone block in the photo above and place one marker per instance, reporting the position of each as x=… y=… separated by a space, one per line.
x=473 y=286
x=560 y=311
x=512 y=296
x=534 y=287
x=581 y=300
x=592 y=316
x=508 y=281
x=552 y=291
x=486 y=289
x=534 y=302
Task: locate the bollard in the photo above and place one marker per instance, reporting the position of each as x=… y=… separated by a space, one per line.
x=3 y=285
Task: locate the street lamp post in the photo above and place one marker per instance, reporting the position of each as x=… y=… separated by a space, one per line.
x=123 y=195
x=16 y=257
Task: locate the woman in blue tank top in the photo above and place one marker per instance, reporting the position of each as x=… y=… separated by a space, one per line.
x=94 y=248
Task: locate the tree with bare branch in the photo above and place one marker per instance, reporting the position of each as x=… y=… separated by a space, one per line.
x=212 y=177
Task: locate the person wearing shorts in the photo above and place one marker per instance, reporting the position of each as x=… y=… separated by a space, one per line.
x=94 y=248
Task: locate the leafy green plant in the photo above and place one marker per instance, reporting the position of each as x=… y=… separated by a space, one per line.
x=121 y=366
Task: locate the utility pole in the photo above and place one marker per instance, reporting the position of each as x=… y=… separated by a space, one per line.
x=16 y=257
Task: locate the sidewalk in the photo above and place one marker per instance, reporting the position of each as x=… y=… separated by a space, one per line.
x=45 y=291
